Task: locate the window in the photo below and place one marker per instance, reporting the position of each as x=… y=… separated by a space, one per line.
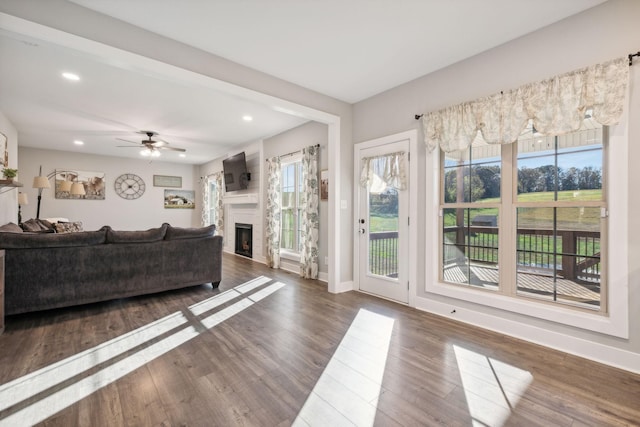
x=292 y=202
x=526 y=219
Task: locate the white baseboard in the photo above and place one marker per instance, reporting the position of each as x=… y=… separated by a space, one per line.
x=344 y=287
x=589 y=350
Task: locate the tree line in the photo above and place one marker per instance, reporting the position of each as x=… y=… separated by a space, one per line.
x=484 y=182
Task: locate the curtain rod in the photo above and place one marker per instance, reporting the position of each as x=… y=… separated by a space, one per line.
x=292 y=153
x=631 y=56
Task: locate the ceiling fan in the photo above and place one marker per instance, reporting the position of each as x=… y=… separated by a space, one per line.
x=150 y=147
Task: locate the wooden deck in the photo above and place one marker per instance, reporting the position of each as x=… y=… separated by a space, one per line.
x=528 y=283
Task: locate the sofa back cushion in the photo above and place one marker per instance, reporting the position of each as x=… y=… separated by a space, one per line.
x=51 y=240
x=150 y=235
x=175 y=233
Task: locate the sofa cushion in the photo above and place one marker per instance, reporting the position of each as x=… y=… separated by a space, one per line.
x=10 y=228
x=51 y=240
x=175 y=233
x=151 y=235
x=68 y=227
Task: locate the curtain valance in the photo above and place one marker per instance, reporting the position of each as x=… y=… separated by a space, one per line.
x=380 y=172
x=556 y=106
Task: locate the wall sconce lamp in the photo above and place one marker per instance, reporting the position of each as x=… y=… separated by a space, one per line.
x=22 y=200
x=41 y=182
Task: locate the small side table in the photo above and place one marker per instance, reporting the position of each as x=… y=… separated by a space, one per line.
x=1 y=291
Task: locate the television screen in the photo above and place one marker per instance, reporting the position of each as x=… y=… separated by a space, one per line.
x=235 y=172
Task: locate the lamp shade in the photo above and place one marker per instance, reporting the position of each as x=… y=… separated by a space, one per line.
x=64 y=186
x=23 y=199
x=77 y=189
x=41 y=182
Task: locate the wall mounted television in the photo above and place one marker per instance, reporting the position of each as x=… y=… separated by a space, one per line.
x=235 y=173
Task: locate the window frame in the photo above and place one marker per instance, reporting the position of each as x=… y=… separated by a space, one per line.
x=285 y=253
x=614 y=323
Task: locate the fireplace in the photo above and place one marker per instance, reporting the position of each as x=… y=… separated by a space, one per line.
x=244 y=239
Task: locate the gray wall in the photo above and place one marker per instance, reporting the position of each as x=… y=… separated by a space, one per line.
x=605 y=32
x=139 y=214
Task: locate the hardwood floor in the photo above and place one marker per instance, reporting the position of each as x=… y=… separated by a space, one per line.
x=280 y=351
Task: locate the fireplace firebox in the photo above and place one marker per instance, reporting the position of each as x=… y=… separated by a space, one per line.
x=244 y=239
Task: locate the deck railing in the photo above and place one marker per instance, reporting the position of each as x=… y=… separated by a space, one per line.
x=577 y=254
x=383 y=253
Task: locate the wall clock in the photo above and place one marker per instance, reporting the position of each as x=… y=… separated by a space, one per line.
x=129 y=186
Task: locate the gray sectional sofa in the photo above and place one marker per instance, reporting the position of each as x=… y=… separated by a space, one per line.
x=52 y=270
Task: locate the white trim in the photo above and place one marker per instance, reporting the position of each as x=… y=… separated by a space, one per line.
x=345 y=287
x=601 y=353
x=412 y=137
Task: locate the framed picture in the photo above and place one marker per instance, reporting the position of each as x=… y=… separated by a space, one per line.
x=93 y=183
x=179 y=199
x=324 y=185
x=167 y=181
x=4 y=151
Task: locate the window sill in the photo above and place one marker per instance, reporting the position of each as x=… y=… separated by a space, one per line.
x=290 y=256
x=596 y=322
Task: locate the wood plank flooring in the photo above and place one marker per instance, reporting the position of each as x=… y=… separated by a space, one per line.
x=286 y=352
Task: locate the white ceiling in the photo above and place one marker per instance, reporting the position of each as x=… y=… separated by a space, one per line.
x=347 y=49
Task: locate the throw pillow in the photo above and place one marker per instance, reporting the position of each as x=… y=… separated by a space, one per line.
x=10 y=228
x=68 y=227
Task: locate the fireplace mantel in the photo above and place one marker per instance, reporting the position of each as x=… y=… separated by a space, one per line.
x=241 y=199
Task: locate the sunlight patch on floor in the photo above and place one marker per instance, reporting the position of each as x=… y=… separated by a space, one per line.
x=20 y=389
x=492 y=388
x=347 y=392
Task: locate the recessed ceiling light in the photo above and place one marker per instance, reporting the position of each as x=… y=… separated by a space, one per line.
x=71 y=76
x=78 y=142
x=182 y=155
x=247 y=118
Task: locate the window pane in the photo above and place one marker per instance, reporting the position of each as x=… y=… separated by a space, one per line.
x=566 y=168
x=287 y=230
x=558 y=252
x=470 y=247
x=472 y=175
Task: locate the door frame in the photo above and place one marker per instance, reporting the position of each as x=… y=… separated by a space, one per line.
x=414 y=201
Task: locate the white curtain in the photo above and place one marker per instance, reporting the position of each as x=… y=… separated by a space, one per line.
x=218 y=203
x=273 y=209
x=310 y=218
x=204 y=211
x=380 y=172
x=556 y=106
x=218 y=206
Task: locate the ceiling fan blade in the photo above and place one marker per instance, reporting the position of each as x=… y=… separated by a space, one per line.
x=172 y=149
x=129 y=146
x=126 y=140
